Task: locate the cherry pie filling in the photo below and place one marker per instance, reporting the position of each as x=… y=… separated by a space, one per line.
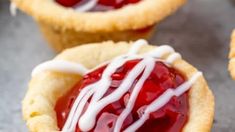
x=170 y=118
x=102 y=5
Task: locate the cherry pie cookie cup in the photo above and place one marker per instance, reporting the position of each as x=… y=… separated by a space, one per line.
x=67 y=23
x=232 y=56
x=118 y=87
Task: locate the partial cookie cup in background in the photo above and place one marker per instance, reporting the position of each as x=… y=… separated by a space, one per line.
x=231 y=66
x=66 y=27
x=47 y=87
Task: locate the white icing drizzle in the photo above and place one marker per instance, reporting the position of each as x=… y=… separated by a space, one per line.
x=87 y=6
x=171 y=58
x=13 y=9
x=160 y=51
x=95 y=92
x=60 y=66
x=137 y=45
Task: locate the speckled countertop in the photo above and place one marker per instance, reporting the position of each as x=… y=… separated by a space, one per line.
x=200 y=31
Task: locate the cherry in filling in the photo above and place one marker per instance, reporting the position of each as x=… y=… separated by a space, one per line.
x=170 y=118
x=102 y=5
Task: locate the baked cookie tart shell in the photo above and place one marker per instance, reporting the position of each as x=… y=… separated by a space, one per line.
x=46 y=87
x=65 y=27
x=232 y=56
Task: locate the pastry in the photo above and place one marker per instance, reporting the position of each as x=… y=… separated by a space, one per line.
x=232 y=56
x=118 y=87
x=67 y=23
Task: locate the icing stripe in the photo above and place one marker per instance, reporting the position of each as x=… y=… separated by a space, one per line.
x=160 y=51
x=137 y=45
x=171 y=58
x=87 y=6
x=67 y=126
x=60 y=66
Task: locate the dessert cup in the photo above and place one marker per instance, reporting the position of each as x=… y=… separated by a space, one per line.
x=54 y=81
x=232 y=56
x=65 y=27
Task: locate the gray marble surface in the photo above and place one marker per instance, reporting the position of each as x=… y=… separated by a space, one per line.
x=200 y=31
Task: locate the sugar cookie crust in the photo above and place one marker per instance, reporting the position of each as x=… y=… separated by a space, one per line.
x=130 y=17
x=232 y=56
x=46 y=87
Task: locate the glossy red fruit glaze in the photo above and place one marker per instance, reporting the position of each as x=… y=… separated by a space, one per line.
x=170 y=118
x=101 y=4
x=68 y=3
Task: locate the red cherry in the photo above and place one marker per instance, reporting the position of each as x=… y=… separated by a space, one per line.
x=68 y=3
